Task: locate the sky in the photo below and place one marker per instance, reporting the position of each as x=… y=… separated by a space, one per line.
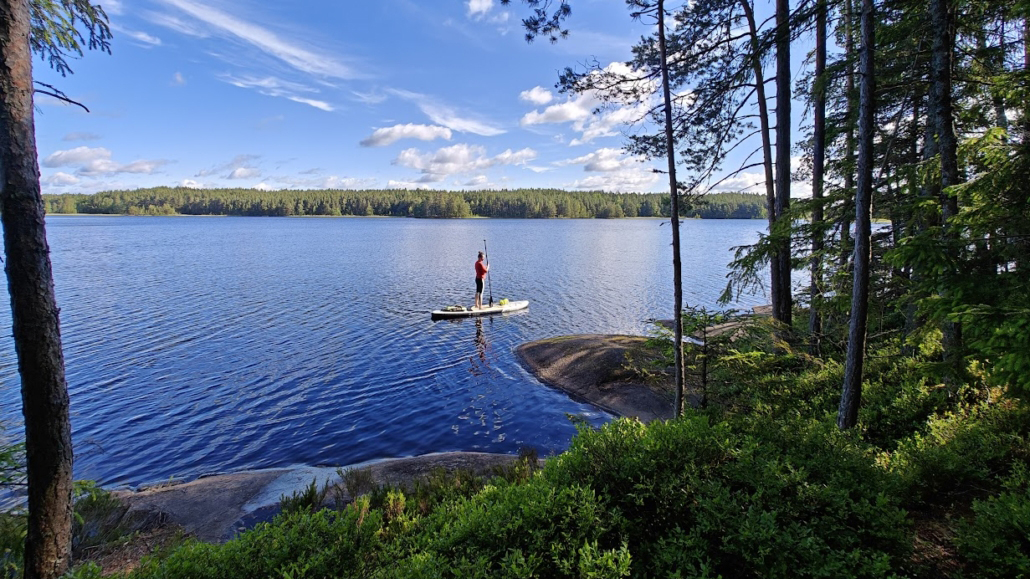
x=441 y=94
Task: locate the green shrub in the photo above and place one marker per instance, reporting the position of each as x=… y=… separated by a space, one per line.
x=970 y=447
x=12 y=543
x=515 y=530
x=996 y=542
x=296 y=545
x=311 y=499
x=757 y=498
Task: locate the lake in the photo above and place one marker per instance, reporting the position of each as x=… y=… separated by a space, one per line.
x=196 y=345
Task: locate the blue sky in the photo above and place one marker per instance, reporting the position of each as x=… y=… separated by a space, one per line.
x=442 y=94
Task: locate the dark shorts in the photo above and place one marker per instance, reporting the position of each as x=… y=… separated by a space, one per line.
x=479 y=285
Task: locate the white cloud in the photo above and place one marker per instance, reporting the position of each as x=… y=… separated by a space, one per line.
x=94 y=162
x=143 y=38
x=458 y=159
x=263 y=187
x=743 y=182
x=312 y=102
x=594 y=117
x=389 y=135
x=76 y=156
x=618 y=171
x=603 y=160
x=444 y=115
x=244 y=173
x=578 y=108
x=330 y=182
x=369 y=98
x=300 y=58
x=60 y=179
x=112 y=7
x=277 y=87
x=537 y=95
x=176 y=24
x=477 y=181
x=625 y=180
x=479 y=8
x=81 y=136
x=178 y=79
x=191 y=184
x=391 y=184
x=237 y=162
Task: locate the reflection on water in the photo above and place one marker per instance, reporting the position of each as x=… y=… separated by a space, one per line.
x=196 y=345
x=480 y=367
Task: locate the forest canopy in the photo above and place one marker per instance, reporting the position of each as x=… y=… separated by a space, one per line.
x=520 y=203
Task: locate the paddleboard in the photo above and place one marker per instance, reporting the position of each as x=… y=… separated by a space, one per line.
x=485 y=311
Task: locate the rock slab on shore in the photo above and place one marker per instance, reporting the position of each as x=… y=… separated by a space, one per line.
x=602 y=370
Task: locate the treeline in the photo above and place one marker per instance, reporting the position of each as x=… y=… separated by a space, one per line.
x=521 y=203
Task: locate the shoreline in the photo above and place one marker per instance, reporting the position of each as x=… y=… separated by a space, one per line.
x=597 y=369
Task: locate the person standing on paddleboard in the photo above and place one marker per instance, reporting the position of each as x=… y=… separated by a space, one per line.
x=481 y=269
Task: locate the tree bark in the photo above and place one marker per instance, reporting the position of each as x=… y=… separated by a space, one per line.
x=849 y=133
x=818 y=165
x=763 y=117
x=847 y=414
x=783 y=304
x=37 y=337
x=942 y=25
x=677 y=277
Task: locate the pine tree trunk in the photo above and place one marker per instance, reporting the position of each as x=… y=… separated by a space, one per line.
x=37 y=337
x=783 y=303
x=818 y=164
x=766 y=131
x=849 y=134
x=942 y=25
x=677 y=277
x=847 y=414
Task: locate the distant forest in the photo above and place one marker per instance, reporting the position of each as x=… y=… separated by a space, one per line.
x=521 y=203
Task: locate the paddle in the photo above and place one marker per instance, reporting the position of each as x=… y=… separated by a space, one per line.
x=491 y=280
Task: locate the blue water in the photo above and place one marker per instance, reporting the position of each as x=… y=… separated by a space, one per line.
x=200 y=345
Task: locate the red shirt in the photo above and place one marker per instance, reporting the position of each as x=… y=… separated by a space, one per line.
x=480 y=270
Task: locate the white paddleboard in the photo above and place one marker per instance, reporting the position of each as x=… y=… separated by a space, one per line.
x=485 y=311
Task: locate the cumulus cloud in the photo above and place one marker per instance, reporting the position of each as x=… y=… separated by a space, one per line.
x=603 y=160
x=591 y=115
x=625 y=180
x=537 y=95
x=618 y=171
x=389 y=135
x=263 y=187
x=76 y=156
x=458 y=159
x=392 y=184
x=191 y=184
x=60 y=179
x=244 y=173
x=447 y=116
x=96 y=161
x=329 y=182
x=479 y=8
x=742 y=182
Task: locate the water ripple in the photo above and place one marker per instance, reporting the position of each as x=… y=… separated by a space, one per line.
x=209 y=345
